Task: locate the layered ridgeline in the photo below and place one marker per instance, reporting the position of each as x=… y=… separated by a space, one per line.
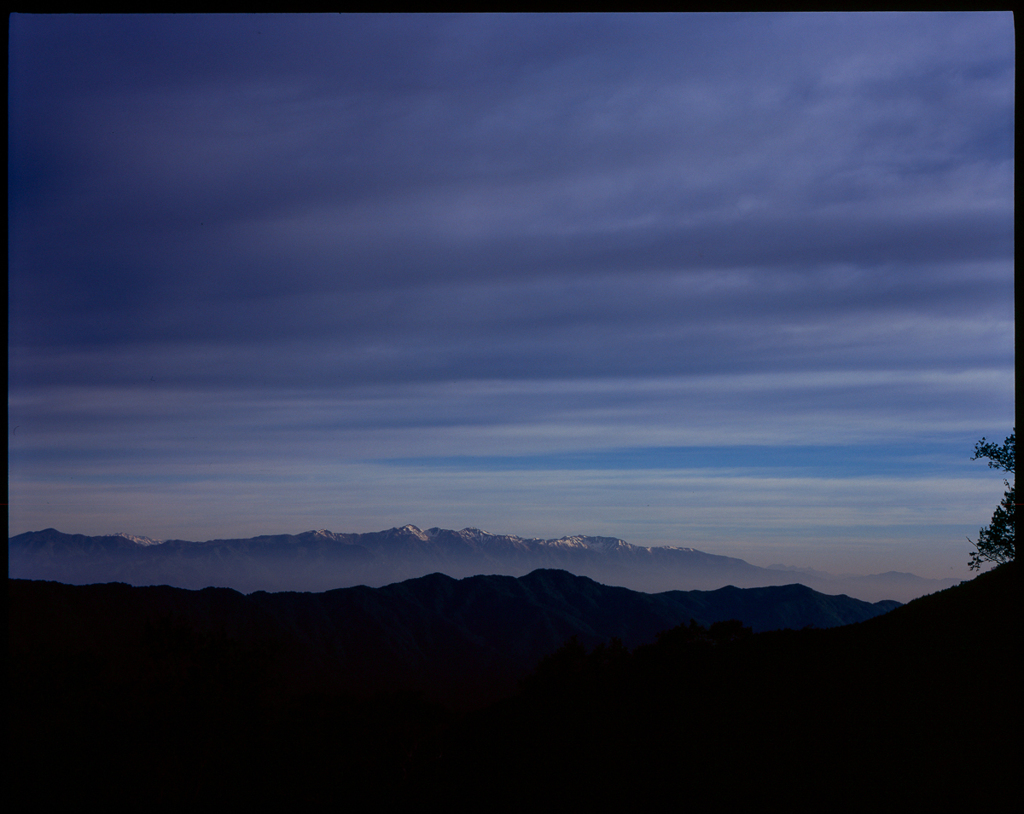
x=902 y=712
x=211 y=698
x=452 y=639
x=323 y=560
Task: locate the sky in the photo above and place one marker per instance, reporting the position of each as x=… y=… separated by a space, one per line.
x=742 y=283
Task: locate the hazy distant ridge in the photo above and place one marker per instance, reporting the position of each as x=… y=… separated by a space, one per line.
x=323 y=560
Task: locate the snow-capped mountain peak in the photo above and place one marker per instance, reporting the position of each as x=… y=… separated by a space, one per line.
x=600 y=544
x=137 y=539
x=415 y=531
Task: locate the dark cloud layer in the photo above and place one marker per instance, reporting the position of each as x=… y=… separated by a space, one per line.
x=380 y=220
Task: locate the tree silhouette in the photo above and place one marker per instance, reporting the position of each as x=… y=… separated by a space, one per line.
x=996 y=541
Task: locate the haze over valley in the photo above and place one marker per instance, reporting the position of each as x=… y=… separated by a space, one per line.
x=324 y=560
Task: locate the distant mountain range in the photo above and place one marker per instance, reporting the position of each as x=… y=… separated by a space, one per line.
x=324 y=560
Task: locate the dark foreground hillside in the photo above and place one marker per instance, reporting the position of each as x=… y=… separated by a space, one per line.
x=462 y=642
x=916 y=710
x=214 y=698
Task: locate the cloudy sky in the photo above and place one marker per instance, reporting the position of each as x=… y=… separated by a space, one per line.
x=741 y=283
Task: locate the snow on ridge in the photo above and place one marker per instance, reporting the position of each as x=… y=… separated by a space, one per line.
x=575 y=541
x=147 y=541
x=602 y=544
x=567 y=542
x=326 y=533
x=416 y=531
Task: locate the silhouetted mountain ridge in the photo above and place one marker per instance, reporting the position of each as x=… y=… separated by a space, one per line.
x=892 y=712
x=457 y=638
x=118 y=694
